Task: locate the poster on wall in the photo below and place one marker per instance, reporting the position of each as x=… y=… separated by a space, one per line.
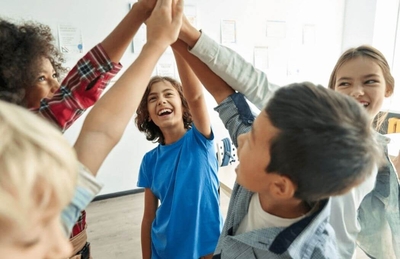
x=191 y=14
x=276 y=29
x=166 y=65
x=70 y=39
x=260 y=58
x=228 y=31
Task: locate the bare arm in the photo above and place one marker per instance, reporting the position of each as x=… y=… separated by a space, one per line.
x=106 y=122
x=119 y=39
x=193 y=92
x=217 y=87
x=150 y=207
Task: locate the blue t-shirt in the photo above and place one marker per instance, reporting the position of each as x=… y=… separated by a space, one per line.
x=183 y=176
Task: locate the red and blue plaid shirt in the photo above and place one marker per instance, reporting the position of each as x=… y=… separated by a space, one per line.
x=79 y=90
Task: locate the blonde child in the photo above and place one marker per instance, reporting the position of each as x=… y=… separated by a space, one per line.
x=27 y=236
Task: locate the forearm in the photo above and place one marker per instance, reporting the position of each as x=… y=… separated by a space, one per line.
x=119 y=39
x=239 y=74
x=107 y=121
x=217 y=87
x=146 y=239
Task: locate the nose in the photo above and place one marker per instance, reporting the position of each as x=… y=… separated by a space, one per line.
x=54 y=86
x=161 y=100
x=357 y=90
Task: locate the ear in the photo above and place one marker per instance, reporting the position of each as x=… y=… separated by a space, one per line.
x=282 y=187
x=389 y=91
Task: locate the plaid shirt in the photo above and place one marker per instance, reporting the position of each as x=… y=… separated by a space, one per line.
x=80 y=89
x=311 y=237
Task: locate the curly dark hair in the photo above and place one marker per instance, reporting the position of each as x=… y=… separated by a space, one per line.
x=151 y=130
x=22 y=47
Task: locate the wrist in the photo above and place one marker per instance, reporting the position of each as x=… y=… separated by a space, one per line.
x=142 y=10
x=190 y=37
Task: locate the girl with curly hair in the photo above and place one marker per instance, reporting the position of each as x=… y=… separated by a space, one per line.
x=30 y=75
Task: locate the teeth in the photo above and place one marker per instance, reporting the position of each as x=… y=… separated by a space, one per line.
x=164 y=111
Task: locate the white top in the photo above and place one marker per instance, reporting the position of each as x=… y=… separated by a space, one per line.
x=257 y=218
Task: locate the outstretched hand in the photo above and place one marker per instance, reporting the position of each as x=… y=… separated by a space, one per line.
x=165 y=22
x=148 y=5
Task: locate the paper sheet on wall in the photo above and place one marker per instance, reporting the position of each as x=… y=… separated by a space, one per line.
x=70 y=39
x=166 y=65
x=228 y=31
x=276 y=29
x=191 y=14
x=261 y=58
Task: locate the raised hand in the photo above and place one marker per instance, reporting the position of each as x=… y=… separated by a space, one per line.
x=165 y=22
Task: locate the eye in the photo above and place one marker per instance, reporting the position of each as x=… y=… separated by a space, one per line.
x=343 y=84
x=371 y=81
x=55 y=75
x=41 y=78
x=151 y=99
x=169 y=94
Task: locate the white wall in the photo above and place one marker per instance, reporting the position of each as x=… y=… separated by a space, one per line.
x=96 y=18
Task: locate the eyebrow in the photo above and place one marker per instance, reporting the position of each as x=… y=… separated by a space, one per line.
x=349 y=78
x=165 y=90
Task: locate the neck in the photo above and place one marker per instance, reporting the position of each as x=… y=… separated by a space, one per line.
x=172 y=135
x=284 y=208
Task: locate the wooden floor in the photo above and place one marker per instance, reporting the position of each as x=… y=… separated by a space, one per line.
x=114 y=226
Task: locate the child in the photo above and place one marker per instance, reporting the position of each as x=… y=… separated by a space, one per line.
x=289 y=166
x=181 y=172
x=364 y=74
x=254 y=84
x=102 y=129
x=29 y=75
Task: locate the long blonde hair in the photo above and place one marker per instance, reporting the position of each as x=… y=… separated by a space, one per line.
x=38 y=167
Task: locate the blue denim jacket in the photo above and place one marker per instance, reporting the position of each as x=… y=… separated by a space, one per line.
x=379 y=214
x=311 y=237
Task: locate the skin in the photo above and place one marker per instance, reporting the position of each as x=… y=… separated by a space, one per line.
x=101 y=131
x=45 y=86
x=163 y=97
x=362 y=79
x=43 y=239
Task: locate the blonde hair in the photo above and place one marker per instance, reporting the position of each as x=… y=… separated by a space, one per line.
x=38 y=167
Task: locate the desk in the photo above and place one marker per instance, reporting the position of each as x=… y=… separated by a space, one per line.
x=227 y=178
x=394 y=145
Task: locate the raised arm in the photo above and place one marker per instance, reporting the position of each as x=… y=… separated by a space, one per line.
x=108 y=119
x=193 y=92
x=217 y=87
x=118 y=40
x=241 y=75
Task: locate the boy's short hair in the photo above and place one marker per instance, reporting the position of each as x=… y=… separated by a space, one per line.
x=326 y=144
x=38 y=168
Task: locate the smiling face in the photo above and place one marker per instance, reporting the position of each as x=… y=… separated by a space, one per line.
x=165 y=105
x=362 y=79
x=254 y=155
x=45 y=86
x=43 y=239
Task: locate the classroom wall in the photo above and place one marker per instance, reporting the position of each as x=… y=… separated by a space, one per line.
x=316 y=31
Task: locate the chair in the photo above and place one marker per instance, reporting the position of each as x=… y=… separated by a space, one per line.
x=393 y=125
